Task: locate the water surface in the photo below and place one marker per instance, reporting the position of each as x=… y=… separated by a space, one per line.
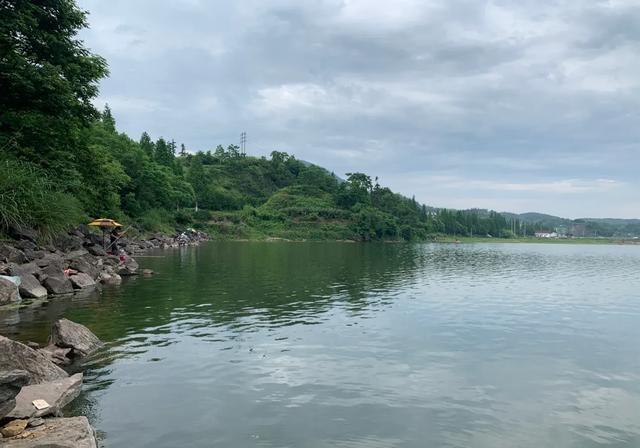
x=350 y=345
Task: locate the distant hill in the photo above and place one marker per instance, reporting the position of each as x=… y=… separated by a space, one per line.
x=609 y=227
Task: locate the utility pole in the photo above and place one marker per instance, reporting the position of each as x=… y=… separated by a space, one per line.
x=243 y=144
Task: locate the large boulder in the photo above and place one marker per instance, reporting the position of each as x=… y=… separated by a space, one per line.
x=17 y=356
x=57 y=394
x=74 y=432
x=31 y=287
x=67 y=334
x=58 y=285
x=8 y=291
x=56 y=281
x=10 y=384
x=23 y=233
x=82 y=280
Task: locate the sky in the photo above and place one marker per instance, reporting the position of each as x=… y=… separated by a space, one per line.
x=511 y=105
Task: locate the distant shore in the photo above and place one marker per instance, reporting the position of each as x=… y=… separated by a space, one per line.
x=532 y=240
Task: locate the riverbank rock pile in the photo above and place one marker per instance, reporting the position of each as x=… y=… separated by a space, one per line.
x=72 y=262
x=33 y=389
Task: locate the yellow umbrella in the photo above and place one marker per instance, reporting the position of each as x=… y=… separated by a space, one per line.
x=104 y=222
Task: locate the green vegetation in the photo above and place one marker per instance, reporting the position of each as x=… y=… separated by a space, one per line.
x=62 y=161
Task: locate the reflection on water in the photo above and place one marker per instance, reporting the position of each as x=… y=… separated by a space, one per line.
x=350 y=345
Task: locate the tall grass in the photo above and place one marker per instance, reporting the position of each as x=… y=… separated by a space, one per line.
x=31 y=199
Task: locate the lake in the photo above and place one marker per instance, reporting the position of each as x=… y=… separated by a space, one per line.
x=247 y=344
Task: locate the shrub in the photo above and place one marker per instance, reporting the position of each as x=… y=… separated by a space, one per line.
x=29 y=198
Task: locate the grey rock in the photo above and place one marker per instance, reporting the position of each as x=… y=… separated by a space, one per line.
x=86 y=265
x=17 y=356
x=31 y=287
x=57 y=394
x=110 y=278
x=10 y=384
x=82 y=280
x=33 y=345
x=58 y=285
x=96 y=250
x=74 y=432
x=50 y=259
x=68 y=243
x=11 y=254
x=67 y=334
x=35 y=422
x=8 y=292
x=129 y=267
x=57 y=355
x=24 y=233
x=22 y=269
x=56 y=282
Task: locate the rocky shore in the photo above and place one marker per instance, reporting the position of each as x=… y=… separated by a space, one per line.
x=34 y=387
x=72 y=262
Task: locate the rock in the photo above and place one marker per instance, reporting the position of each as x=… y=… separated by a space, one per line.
x=11 y=254
x=67 y=334
x=34 y=254
x=33 y=345
x=107 y=278
x=85 y=264
x=10 y=384
x=25 y=245
x=23 y=233
x=130 y=267
x=57 y=355
x=8 y=291
x=74 y=432
x=22 y=269
x=31 y=287
x=50 y=259
x=14 y=428
x=55 y=281
x=82 y=280
x=57 y=394
x=97 y=251
x=17 y=356
x=35 y=422
x=68 y=243
x=58 y=285
x=148 y=272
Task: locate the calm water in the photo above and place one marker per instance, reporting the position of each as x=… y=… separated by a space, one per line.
x=348 y=345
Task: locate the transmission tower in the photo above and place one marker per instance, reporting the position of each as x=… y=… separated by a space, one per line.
x=243 y=143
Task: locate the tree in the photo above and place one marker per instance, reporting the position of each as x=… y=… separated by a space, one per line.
x=147 y=145
x=163 y=153
x=48 y=79
x=108 y=120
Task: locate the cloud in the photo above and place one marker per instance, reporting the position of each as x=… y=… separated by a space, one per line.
x=535 y=98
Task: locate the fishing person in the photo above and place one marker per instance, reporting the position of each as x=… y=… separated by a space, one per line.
x=114 y=236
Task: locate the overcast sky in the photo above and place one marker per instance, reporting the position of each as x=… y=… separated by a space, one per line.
x=514 y=105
